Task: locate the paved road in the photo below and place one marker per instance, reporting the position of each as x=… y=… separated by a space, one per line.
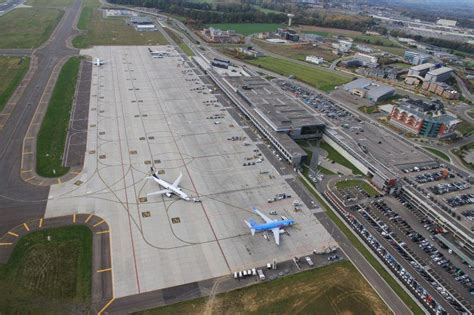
x=9 y=5
x=19 y=201
x=465 y=92
x=15 y=52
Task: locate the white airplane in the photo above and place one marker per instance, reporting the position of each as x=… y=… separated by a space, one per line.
x=98 y=62
x=158 y=54
x=169 y=189
x=270 y=225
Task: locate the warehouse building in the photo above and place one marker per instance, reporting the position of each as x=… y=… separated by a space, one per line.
x=420 y=71
x=439 y=75
x=415 y=58
x=368 y=89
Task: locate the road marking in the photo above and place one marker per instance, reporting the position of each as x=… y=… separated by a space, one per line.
x=74 y=218
x=59 y=181
x=99 y=223
x=29 y=152
x=40 y=223
x=104 y=270
x=5 y=244
x=26 y=171
x=89 y=217
x=105 y=306
x=29 y=178
x=12 y=234
x=26 y=227
x=103 y=232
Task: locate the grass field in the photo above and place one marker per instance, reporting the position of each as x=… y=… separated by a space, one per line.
x=376 y=40
x=438 y=153
x=247 y=28
x=318 y=77
x=52 y=135
x=110 y=31
x=335 y=156
x=367 y=254
x=48 y=276
x=355 y=182
x=462 y=152
x=317 y=291
x=185 y=48
x=28 y=27
x=12 y=71
x=297 y=51
x=327 y=31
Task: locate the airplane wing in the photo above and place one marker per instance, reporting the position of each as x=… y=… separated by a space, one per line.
x=276 y=233
x=263 y=216
x=160 y=192
x=176 y=182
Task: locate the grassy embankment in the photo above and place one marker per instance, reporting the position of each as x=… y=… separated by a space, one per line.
x=28 y=27
x=48 y=276
x=438 y=153
x=12 y=71
x=318 y=77
x=462 y=152
x=177 y=39
x=316 y=291
x=248 y=28
x=343 y=184
x=110 y=31
x=368 y=255
x=52 y=135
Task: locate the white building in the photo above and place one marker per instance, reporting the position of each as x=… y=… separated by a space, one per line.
x=314 y=59
x=366 y=59
x=444 y=22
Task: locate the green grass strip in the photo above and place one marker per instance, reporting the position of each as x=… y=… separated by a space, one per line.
x=404 y=296
x=355 y=182
x=438 y=153
x=335 y=156
x=10 y=89
x=52 y=135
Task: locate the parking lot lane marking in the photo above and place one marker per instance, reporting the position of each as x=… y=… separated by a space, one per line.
x=6 y=244
x=74 y=218
x=99 y=223
x=104 y=270
x=103 y=232
x=105 y=306
x=26 y=227
x=89 y=217
x=12 y=234
x=40 y=223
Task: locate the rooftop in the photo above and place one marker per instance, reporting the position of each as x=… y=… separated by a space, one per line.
x=441 y=70
x=423 y=66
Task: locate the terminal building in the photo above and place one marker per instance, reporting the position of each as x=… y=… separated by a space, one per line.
x=281 y=119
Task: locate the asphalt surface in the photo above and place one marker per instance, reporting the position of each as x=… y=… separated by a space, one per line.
x=9 y=5
x=19 y=201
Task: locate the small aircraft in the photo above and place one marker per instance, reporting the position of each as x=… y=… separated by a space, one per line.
x=269 y=225
x=98 y=62
x=169 y=189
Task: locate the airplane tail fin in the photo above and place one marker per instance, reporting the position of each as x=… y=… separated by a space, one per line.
x=250 y=223
x=153 y=173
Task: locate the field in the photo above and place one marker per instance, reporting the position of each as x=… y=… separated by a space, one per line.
x=12 y=71
x=320 y=78
x=28 y=28
x=298 y=51
x=462 y=152
x=317 y=291
x=438 y=153
x=247 y=28
x=355 y=182
x=48 y=276
x=185 y=48
x=327 y=31
x=335 y=156
x=52 y=135
x=365 y=252
x=376 y=40
x=110 y=31
x=50 y=3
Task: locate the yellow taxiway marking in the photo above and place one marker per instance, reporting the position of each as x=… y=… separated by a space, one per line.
x=103 y=232
x=74 y=218
x=26 y=227
x=5 y=244
x=40 y=223
x=89 y=217
x=104 y=270
x=12 y=234
x=99 y=223
x=105 y=306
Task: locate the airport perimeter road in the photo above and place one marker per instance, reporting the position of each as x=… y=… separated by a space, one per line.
x=19 y=201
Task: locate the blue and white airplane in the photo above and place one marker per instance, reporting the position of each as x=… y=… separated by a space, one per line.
x=269 y=225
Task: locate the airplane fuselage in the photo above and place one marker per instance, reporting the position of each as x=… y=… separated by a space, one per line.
x=272 y=225
x=175 y=190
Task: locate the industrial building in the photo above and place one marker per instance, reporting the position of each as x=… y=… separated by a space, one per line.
x=444 y=22
x=420 y=71
x=224 y=64
x=249 y=51
x=424 y=119
x=439 y=75
x=219 y=36
x=142 y=23
x=314 y=59
x=415 y=58
x=366 y=59
x=288 y=34
x=368 y=89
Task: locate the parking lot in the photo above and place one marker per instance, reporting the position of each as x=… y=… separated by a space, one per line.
x=148 y=112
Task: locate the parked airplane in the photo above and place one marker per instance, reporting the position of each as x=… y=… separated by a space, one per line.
x=98 y=62
x=169 y=189
x=157 y=54
x=269 y=225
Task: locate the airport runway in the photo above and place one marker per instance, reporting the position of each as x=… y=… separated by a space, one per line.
x=19 y=201
x=9 y=5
